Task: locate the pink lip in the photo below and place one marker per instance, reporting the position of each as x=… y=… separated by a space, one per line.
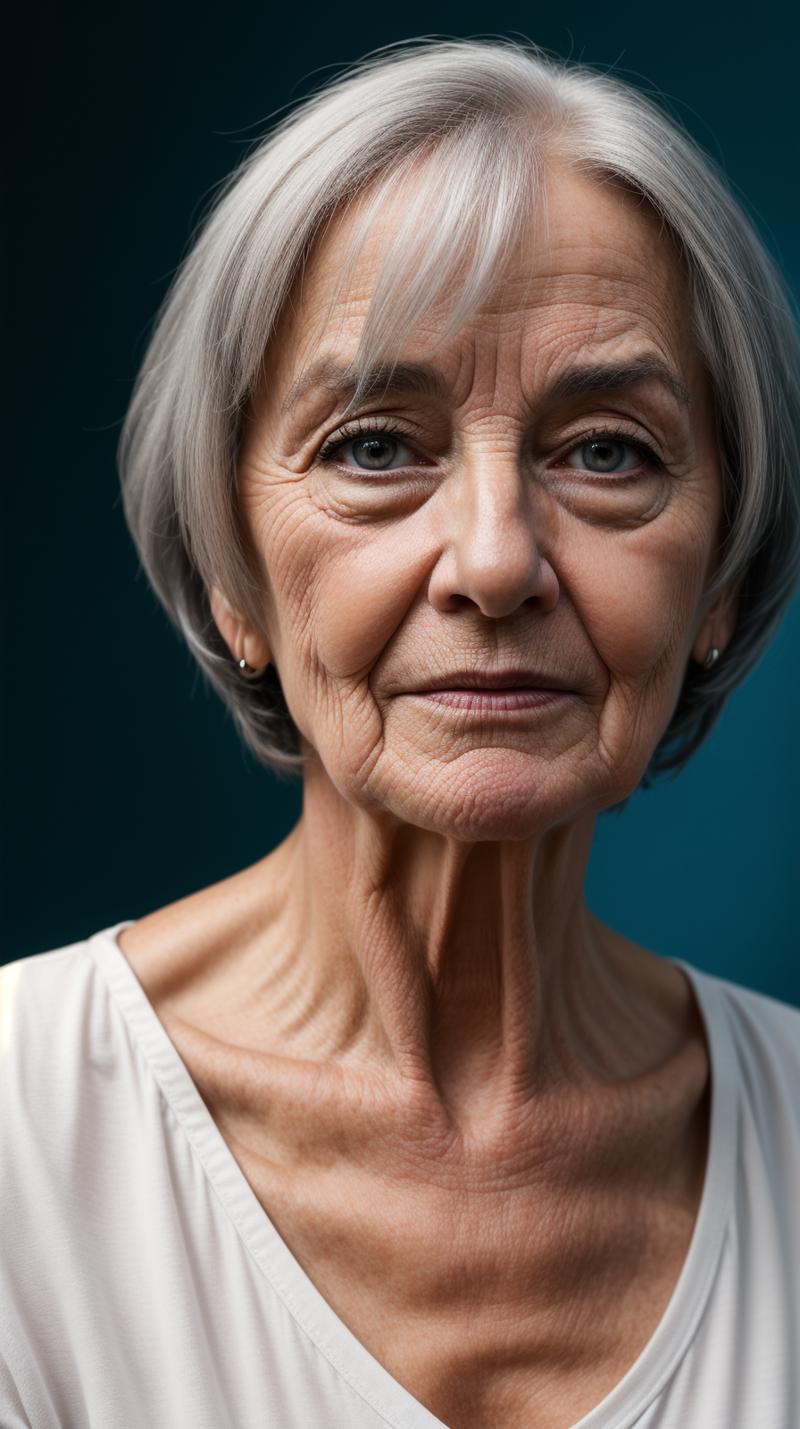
x=493 y=701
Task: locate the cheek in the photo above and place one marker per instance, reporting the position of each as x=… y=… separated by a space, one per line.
x=638 y=595
x=364 y=584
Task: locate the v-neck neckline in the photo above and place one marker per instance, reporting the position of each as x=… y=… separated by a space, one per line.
x=656 y=1362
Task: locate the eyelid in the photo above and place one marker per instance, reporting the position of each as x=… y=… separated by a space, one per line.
x=618 y=429
x=364 y=427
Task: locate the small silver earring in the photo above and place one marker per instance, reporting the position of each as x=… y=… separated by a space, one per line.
x=711 y=658
x=249 y=671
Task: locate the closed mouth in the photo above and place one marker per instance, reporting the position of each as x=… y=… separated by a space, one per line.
x=491 y=683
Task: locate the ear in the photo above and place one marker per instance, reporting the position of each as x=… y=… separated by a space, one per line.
x=239 y=636
x=719 y=623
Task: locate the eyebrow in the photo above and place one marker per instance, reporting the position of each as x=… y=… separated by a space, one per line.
x=327 y=374
x=611 y=376
x=422 y=378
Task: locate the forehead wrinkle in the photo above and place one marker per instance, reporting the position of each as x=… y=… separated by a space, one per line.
x=602 y=301
x=600 y=266
x=564 y=279
x=561 y=246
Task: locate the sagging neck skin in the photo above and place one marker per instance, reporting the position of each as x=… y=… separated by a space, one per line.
x=471 y=975
x=425 y=1012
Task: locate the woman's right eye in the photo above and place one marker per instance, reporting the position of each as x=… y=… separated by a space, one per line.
x=375 y=453
x=371 y=451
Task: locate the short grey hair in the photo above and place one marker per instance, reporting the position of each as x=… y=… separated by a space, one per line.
x=483 y=117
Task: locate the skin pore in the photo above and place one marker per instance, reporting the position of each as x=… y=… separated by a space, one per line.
x=504 y=1103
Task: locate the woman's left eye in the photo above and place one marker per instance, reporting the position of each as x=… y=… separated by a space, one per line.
x=604 y=454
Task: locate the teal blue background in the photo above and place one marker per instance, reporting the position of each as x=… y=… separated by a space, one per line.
x=126 y=786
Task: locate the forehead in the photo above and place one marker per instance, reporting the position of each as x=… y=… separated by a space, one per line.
x=595 y=266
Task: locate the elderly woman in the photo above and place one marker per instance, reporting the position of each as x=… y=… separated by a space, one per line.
x=465 y=456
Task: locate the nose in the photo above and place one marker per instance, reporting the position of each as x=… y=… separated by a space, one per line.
x=493 y=553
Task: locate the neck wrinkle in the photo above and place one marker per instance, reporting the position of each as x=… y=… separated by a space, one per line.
x=464 y=972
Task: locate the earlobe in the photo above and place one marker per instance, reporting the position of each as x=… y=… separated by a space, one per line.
x=243 y=642
x=717 y=630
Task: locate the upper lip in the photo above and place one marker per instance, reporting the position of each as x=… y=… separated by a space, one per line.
x=495 y=680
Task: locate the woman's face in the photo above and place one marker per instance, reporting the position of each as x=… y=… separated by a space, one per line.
x=467 y=523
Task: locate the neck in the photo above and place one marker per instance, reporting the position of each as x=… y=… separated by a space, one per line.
x=472 y=973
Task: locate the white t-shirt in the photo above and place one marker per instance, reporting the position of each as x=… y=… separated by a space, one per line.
x=142 y=1285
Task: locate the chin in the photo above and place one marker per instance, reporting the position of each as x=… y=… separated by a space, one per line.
x=490 y=795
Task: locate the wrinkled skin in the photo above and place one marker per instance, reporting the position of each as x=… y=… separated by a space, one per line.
x=483 y=547
x=415 y=966
x=491 y=553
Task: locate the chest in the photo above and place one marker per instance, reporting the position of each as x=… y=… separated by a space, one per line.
x=497 y=1305
x=483 y=1319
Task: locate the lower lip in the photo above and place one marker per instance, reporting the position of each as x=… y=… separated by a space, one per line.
x=495 y=701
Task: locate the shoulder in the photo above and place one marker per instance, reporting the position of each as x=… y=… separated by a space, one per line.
x=760 y=1023
x=758 y=1046
x=59 y=1035
x=758 y=1068
x=38 y=992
